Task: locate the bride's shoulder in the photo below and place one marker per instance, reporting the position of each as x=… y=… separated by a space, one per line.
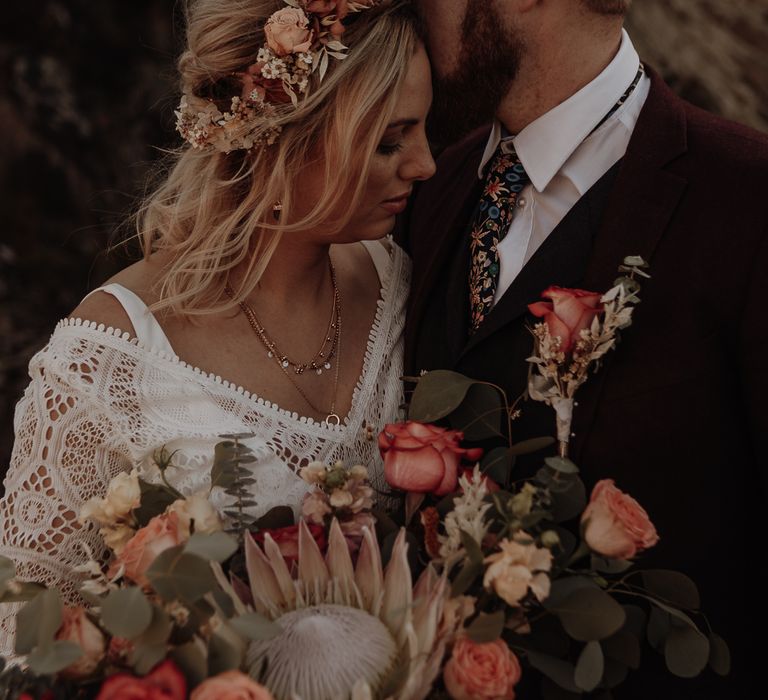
x=102 y=307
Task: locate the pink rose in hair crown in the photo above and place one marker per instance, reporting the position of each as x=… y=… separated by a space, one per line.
x=569 y=312
x=230 y=685
x=423 y=458
x=288 y=32
x=481 y=671
x=615 y=524
x=161 y=533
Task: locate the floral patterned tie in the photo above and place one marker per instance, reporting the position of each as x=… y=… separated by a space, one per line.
x=505 y=181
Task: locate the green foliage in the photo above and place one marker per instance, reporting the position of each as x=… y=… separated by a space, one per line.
x=178 y=575
x=590 y=667
x=437 y=395
x=561 y=672
x=38 y=621
x=255 y=627
x=673 y=587
x=479 y=415
x=54 y=656
x=222 y=656
x=216 y=546
x=230 y=472
x=590 y=614
x=151 y=646
x=686 y=651
x=486 y=627
x=126 y=612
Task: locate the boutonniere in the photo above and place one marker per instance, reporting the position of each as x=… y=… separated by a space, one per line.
x=577 y=329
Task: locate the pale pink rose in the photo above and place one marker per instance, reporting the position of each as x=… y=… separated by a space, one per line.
x=161 y=533
x=422 y=458
x=481 y=671
x=288 y=32
x=230 y=685
x=77 y=627
x=516 y=569
x=615 y=524
x=570 y=312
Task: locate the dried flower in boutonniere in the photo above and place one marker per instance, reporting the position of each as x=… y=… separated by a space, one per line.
x=577 y=330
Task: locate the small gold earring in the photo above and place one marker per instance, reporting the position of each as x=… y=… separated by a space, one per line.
x=276 y=209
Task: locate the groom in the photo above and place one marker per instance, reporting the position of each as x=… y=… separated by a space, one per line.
x=601 y=161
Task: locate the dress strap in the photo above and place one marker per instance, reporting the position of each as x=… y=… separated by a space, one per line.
x=381 y=258
x=145 y=325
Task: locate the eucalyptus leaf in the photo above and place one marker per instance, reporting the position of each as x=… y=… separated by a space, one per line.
x=659 y=625
x=176 y=575
x=527 y=447
x=719 y=655
x=562 y=588
x=191 y=659
x=222 y=656
x=53 y=657
x=486 y=627
x=672 y=587
x=216 y=546
x=466 y=577
x=590 y=614
x=570 y=503
x=562 y=465
x=472 y=547
x=551 y=691
x=686 y=652
x=438 y=394
x=615 y=674
x=255 y=627
x=590 y=667
x=610 y=566
x=623 y=647
x=480 y=414
x=38 y=621
x=144 y=657
x=126 y=612
x=636 y=620
x=24 y=592
x=559 y=671
x=275 y=518
x=497 y=465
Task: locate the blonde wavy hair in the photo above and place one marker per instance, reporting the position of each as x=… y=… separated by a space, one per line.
x=214 y=211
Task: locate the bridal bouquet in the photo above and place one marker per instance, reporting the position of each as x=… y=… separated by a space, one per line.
x=184 y=608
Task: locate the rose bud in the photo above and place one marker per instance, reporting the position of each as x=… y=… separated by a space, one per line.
x=481 y=671
x=570 y=312
x=422 y=458
x=77 y=627
x=230 y=685
x=615 y=524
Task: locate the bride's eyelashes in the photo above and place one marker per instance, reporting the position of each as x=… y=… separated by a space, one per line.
x=388 y=149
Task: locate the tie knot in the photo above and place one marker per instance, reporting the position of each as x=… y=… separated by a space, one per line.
x=507 y=169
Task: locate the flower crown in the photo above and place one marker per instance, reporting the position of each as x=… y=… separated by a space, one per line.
x=300 y=40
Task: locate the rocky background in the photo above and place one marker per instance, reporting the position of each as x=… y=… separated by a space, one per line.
x=86 y=104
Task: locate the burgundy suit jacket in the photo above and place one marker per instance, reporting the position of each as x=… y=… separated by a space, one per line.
x=678 y=415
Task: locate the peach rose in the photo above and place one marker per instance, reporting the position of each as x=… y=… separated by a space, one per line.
x=569 y=313
x=481 y=671
x=517 y=568
x=161 y=533
x=423 y=458
x=287 y=539
x=615 y=524
x=165 y=682
x=288 y=32
x=77 y=627
x=230 y=685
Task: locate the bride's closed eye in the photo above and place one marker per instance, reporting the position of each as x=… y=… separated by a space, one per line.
x=388 y=149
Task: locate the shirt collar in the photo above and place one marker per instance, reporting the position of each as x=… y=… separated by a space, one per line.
x=545 y=145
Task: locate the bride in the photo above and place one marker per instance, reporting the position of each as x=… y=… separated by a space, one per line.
x=269 y=300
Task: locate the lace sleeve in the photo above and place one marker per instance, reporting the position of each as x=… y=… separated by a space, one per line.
x=66 y=450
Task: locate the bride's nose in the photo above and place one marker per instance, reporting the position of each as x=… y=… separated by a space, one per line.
x=419 y=165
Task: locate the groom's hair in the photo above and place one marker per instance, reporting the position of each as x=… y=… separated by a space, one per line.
x=608 y=7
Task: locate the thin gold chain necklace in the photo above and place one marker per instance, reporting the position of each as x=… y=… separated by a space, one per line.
x=332 y=418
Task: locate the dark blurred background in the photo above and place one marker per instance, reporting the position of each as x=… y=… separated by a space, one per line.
x=87 y=92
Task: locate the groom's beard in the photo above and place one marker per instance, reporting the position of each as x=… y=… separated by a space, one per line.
x=488 y=64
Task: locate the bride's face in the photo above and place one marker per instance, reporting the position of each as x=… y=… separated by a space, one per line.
x=402 y=157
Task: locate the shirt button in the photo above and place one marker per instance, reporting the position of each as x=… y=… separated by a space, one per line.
x=521 y=202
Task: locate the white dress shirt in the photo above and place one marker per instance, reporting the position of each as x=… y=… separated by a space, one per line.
x=564 y=155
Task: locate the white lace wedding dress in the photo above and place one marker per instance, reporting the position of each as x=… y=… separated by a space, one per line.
x=100 y=402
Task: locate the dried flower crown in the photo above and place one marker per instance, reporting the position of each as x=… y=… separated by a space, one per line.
x=300 y=40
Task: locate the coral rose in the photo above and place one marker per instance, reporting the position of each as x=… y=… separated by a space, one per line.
x=77 y=627
x=287 y=539
x=161 y=533
x=288 y=32
x=481 y=671
x=423 y=458
x=517 y=568
x=230 y=685
x=165 y=682
x=615 y=524
x=570 y=312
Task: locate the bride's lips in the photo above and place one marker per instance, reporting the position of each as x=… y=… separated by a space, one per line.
x=396 y=205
